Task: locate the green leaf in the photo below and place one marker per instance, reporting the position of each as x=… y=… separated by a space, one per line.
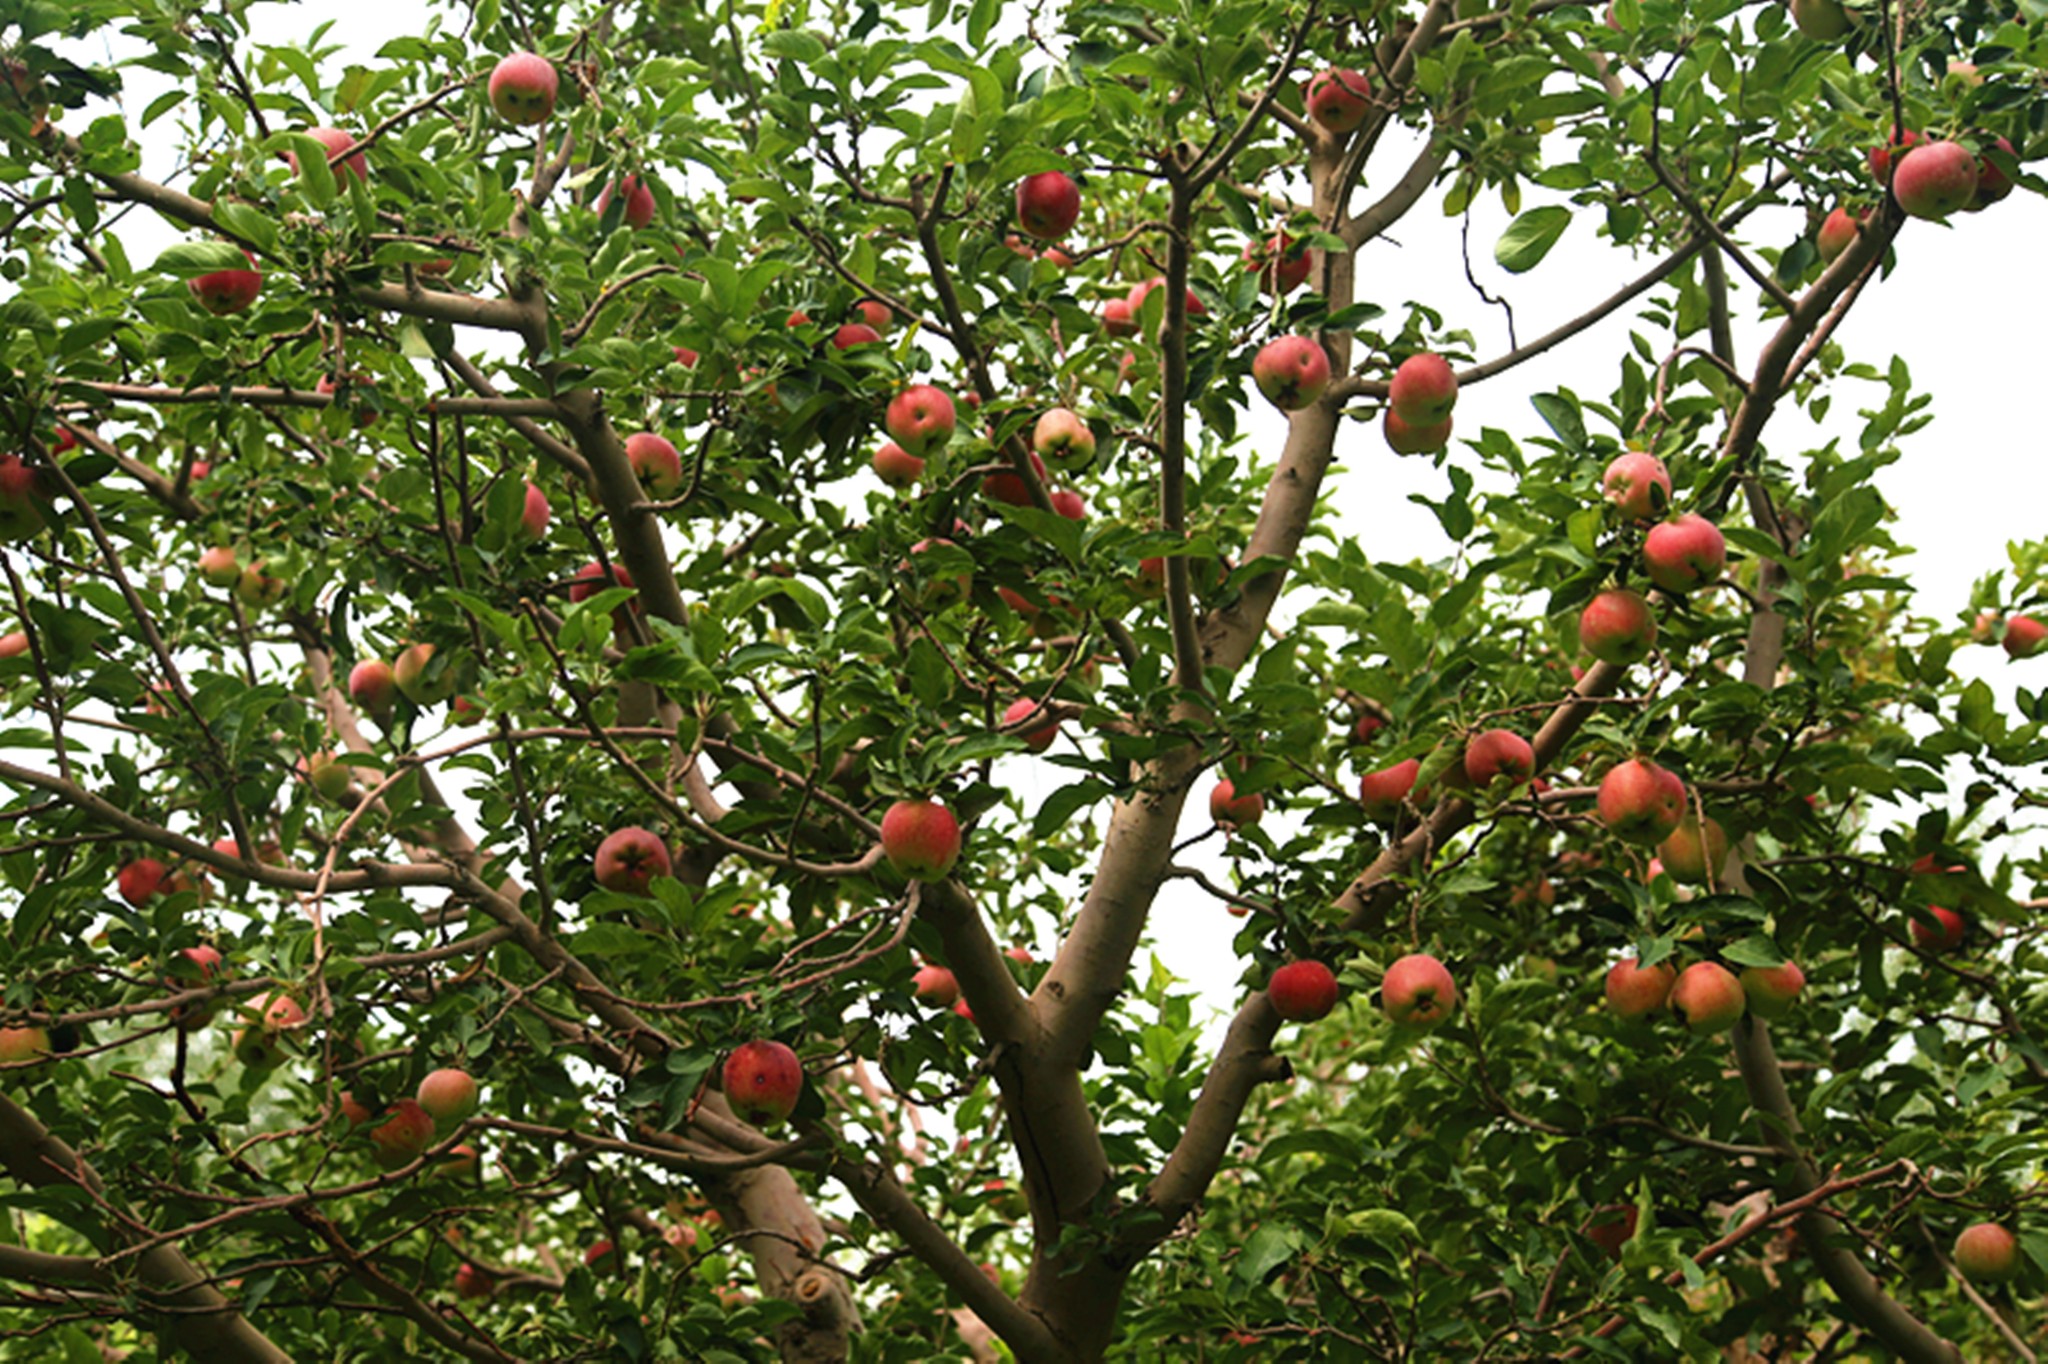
x=1529 y=238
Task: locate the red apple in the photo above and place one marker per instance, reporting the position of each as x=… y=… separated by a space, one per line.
x=471 y=1282
x=920 y=419
x=1404 y=439
x=1424 y=389
x=591 y=579
x=372 y=685
x=218 y=567
x=1069 y=504
x=1292 y=371
x=1935 y=179
x=1638 y=485
x=686 y=357
x=1617 y=627
x=448 y=1095
x=1708 y=997
x=1233 y=811
x=1695 y=852
x=1062 y=438
x=1383 y=791
x=1302 y=991
x=655 y=463
x=1009 y=487
x=190 y=968
x=1279 y=264
x=875 y=313
x=1119 y=318
x=1987 y=1253
x=1636 y=991
x=523 y=88
x=936 y=985
x=534 y=514
x=1641 y=802
x=897 y=467
x=1338 y=99
x=226 y=292
x=21 y=512
x=1037 y=737
x=22 y=1044
x=403 y=1137
x=1993 y=184
x=1140 y=292
x=2024 y=636
x=1880 y=158
x=1611 y=1227
x=1499 y=755
x=629 y=859
x=851 y=334
x=1939 y=930
x=1418 y=992
x=262 y=1044
x=762 y=1082
x=1684 y=554
x=1772 y=990
x=1367 y=729
x=921 y=839
x=639 y=200
x=415 y=681
x=145 y=878
x=1838 y=232
x=13 y=644
x=1048 y=204
x=336 y=141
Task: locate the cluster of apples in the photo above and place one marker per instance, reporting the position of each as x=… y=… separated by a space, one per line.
x=1416 y=992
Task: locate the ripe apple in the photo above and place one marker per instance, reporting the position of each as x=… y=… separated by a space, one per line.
x=13 y=644
x=22 y=1044
x=218 y=567
x=1069 y=504
x=1683 y=554
x=1641 y=802
x=1009 y=487
x=762 y=1082
x=1772 y=990
x=1280 y=266
x=448 y=1095
x=227 y=292
x=1695 y=852
x=1038 y=737
x=262 y=1044
x=1993 y=184
x=1424 y=389
x=1939 y=930
x=372 y=685
x=1140 y=292
x=145 y=878
x=1708 y=997
x=897 y=467
x=1063 y=439
x=1880 y=158
x=655 y=463
x=639 y=200
x=590 y=580
x=1404 y=439
x=936 y=589
x=523 y=88
x=1233 y=811
x=1638 y=485
x=336 y=141
x=1119 y=318
x=2024 y=636
x=851 y=334
x=1302 y=991
x=920 y=419
x=1339 y=99
x=1635 y=991
x=1821 y=20
x=1838 y=232
x=1418 y=992
x=1499 y=755
x=1367 y=729
x=875 y=313
x=412 y=675
x=403 y=1137
x=629 y=859
x=1048 y=204
x=1617 y=626
x=471 y=1282
x=534 y=514
x=1935 y=179
x=936 y=985
x=921 y=839
x=21 y=512
x=1987 y=1253
x=1383 y=791
x=257 y=589
x=686 y=357
x=1292 y=371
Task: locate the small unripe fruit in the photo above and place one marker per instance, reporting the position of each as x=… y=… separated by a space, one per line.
x=1987 y=1253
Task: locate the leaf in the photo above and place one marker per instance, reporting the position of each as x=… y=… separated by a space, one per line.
x=1529 y=238
x=1755 y=950
x=1267 y=1249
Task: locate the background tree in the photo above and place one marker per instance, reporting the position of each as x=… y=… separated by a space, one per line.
x=518 y=846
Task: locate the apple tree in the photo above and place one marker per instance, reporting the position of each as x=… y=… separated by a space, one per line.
x=625 y=629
